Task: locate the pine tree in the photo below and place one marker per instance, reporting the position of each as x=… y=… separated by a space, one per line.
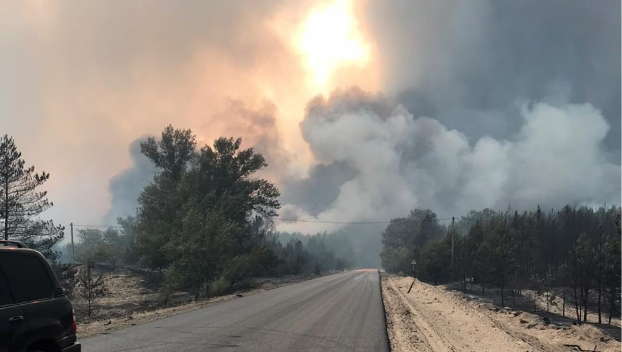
x=21 y=202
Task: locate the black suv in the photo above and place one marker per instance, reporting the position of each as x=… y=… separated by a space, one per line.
x=35 y=315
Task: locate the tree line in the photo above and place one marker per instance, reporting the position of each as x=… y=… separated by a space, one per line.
x=572 y=254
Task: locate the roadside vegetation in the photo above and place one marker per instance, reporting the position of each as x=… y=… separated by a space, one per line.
x=204 y=225
x=203 y=228
x=566 y=260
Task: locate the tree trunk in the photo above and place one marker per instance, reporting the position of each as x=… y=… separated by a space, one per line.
x=6 y=210
x=89 y=284
x=502 y=295
x=564 y=303
x=547 y=295
x=464 y=288
x=535 y=301
x=599 y=297
x=611 y=306
x=576 y=304
x=585 y=299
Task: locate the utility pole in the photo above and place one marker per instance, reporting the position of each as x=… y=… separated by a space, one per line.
x=453 y=234
x=73 y=249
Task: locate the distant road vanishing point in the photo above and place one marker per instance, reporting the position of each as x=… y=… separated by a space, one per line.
x=341 y=312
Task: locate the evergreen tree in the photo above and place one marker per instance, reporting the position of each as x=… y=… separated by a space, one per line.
x=21 y=202
x=204 y=220
x=159 y=203
x=404 y=239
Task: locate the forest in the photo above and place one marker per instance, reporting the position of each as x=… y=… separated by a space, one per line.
x=572 y=253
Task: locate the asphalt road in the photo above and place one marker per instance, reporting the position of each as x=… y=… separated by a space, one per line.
x=340 y=312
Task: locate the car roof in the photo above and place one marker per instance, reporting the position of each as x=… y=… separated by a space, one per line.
x=18 y=250
x=17 y=247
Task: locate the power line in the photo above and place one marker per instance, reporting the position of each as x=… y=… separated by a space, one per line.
x=352 y=222
x=333 y=222
x=298 y=220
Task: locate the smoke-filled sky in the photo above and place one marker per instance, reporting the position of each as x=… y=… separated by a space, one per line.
x=364 y=109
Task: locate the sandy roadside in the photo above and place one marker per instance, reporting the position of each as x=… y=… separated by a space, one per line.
x=433 y=319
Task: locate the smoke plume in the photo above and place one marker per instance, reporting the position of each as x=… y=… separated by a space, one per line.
x=396 y=161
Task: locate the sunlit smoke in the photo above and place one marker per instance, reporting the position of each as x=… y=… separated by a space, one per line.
x=329 y=38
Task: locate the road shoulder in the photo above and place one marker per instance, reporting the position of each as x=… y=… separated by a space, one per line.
x=431 y=318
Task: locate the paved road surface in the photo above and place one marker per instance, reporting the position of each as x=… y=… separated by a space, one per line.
x=341 y=312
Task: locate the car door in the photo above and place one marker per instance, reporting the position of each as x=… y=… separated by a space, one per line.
x=11 y=319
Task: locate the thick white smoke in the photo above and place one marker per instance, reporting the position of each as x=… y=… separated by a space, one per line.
x=398 y=162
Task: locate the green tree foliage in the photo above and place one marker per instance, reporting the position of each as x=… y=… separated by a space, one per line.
x=21 y=202
x=304 y=254
x=205 y=218
x=96 y=246
x=434 y=261
x=127 y=241
x=611 y=267
x=581 y=275
x=158 y=215
x=172 y=152
x=404 y=239
x=352 y=245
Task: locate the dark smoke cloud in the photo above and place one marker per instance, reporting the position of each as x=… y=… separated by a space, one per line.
x=398 y=162
x=125 y=187
x=468 y=63
x=317 y=192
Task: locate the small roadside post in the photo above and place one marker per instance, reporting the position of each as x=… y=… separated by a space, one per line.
x=412 y=270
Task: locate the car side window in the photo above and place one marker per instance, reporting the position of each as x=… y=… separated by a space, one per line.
x=27 y=277
x=5 y=295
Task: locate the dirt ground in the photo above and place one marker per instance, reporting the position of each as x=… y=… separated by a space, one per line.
x=131 y=299
x=432 y=318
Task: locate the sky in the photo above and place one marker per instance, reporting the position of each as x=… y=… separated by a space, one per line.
x=364 y=109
